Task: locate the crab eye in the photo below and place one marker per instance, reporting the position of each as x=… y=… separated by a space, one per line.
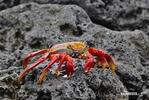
x=86 y=46
x=69 y=47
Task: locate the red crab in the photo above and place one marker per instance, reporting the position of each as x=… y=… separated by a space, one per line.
x=67 y=52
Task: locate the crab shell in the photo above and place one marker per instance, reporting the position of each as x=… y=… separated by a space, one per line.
x=67 y=52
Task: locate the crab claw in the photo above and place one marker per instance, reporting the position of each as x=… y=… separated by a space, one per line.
x=100 y=60
x=69 y=66
x=110 y=62
x=88 y=62
x=101 y=56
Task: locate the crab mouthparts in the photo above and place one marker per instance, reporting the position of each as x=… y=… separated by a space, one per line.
x=75 y=53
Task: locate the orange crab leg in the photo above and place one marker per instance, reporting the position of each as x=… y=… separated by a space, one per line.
x=25 y=61
x=69 y=66
x=43 y=58
x=88 y=62
x=53 y=58
x=62 y=59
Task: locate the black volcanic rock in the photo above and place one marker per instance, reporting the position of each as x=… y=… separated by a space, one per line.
x=31 y=27
x=113 y=14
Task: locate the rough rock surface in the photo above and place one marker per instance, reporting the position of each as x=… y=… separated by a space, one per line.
x=113 y=14
x=30 y=27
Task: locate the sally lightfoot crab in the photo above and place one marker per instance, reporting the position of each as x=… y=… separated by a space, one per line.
x=67 y=52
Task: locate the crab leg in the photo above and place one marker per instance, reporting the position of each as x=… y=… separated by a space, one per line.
x=69 y=66
x=53 y=58
x=25 y=61
x=44 y=57
x=101 y=58
x=88 y=62
x=62 y=59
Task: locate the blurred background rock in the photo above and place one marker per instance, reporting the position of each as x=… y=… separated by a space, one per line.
x=118 y=27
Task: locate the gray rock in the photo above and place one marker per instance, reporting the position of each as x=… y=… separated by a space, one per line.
x=144 y=95
x=30 y=27
x=113 y=14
